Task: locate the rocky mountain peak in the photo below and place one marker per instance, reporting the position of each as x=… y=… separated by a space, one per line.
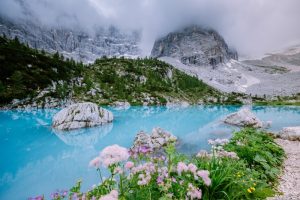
x=194 y=45
x=74 y=43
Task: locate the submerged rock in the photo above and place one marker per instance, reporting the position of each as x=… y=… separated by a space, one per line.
x=81 y=115
x=290 y=133
x=244 y=117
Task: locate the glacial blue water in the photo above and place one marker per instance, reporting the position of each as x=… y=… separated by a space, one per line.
x=38 y=160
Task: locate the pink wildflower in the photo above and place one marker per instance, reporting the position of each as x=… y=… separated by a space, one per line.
x=95 y=162
x=174 y=180
x=113 y=195
x=113 y=154
x=192 y=168
x=181 y=167
x=194 y=192
x=129 y=165
x=144 y=179
x=203 y=154
x=118 y=170
x=204 y=174
x=159 y=180
x=228 y=154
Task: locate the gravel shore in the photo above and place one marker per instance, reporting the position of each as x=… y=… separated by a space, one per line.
x=290 y=180
x=243 y=77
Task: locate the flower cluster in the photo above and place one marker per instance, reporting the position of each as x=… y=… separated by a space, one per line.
x=162 y=174
x=228 y=154
x=109 y=156
x=144 y=172
x=113 y=195
x=36 y=198
x=203 y=174
x=140 y=150
x=59 y=194
x=193 y=192
x=113 y=154
x=129 y=165
x=95 y=162
x=251 y=189
x=217 y=150
x=218 y=142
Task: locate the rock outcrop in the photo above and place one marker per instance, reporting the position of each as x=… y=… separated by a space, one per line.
x=290 y=133
x=77 y=44
x=156 y=140
x=194 y=45
x=81 y=115
x=244 y=117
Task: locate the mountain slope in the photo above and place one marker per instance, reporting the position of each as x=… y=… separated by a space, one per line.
x=204 y=54
x=194 y=45
x=77 y=44
x=41 y=80
x=25 y=70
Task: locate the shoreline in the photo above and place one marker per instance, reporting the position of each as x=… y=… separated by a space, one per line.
x=289 y=182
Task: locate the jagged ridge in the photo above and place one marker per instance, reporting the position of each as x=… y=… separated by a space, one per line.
x=76 y=44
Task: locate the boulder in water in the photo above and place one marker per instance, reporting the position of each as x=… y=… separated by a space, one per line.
x=290 y=133
x=81 y=115
x=156 y=140
x=244 y=117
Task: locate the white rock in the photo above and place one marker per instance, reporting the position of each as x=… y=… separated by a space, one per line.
x=244 y=117
x=92 y=92
x=142 y=139
x=81 y=115
x=121 y=105
x=177 y=104
x=290 y=133
x=156 y=140
x=160 y=137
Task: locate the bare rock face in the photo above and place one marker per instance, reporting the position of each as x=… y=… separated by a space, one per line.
x=81 y=115
x=194 y=45
x=290 y=133
x=244 y=117
x=74 y=43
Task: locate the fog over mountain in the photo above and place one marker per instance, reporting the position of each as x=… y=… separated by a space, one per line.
x=251 y=27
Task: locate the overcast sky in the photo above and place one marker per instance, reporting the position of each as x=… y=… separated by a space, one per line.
x=253 y=27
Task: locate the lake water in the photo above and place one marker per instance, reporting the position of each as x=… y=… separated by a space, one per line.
x=37 y=160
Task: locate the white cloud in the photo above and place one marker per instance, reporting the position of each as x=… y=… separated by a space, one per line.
x=252 y=27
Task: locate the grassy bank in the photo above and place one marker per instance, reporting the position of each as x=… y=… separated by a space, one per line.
x=245 y=167
x=293 y=100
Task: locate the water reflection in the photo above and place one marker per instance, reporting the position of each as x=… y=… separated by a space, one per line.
x=85 y=136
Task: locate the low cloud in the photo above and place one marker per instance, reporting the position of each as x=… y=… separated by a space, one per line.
x=252 y=27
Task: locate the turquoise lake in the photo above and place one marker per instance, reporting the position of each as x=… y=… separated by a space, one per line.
x=38 y=160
